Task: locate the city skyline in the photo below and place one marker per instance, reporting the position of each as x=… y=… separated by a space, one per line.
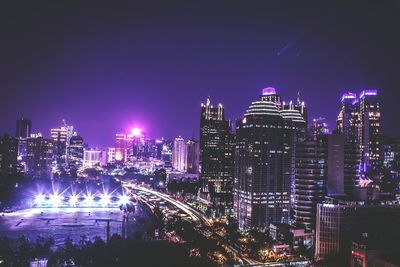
x=83 y=62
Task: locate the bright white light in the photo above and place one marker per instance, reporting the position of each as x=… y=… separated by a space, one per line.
x=40 y=199
x=55 y=200
x=136 y=131
x=89 y=201
x=73 y=200
x=105 y=200
x=124 y=199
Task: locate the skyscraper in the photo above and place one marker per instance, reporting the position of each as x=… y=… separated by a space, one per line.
x=39 y=156
x=8 y=158
x=59 y=137
x=23 y=128
x=216 y=156
x=369 y=131
x=347 y=123
x=192 y=159
x=75 y=151
x=179 y=154
x=264 y=164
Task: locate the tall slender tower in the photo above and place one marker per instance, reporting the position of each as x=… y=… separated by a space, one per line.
x=369 y=131
x=217 y=157
x=179 y=154
x=347 y=124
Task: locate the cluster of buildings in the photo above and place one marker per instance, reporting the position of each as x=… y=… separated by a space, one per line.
x=280 y=170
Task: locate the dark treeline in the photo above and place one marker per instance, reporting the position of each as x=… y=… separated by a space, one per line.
x=117 y=252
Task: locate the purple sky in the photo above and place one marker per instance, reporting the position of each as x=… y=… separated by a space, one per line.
x=106 y=67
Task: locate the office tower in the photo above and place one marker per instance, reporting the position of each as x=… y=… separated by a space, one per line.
x=94 y=157
x=264 y=167
x=318 y=127
x=179 y=154
x=319 y=173
x=8 y=158
x=299 y=105
x=75 y=151
x=59 y=137
x=217 y=157
x=23 y=128
x=347 y=123
x=192 y=159
x=369 y=131
x=295 y=131
x=39 y=156
x=120 y=147
x=166 y=153
x=159 y=147
x=391 y=155
x=339 y=221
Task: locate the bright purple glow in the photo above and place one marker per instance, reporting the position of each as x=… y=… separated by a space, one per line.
x=73 y=200
x=55 y=200
x=368 y=92
x=269 y=91
x=105 y=200
x=124 y=199
x=348 y=96
x=136 y=131
x=40 y=199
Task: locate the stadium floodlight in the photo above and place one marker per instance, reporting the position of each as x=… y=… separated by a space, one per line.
x=40 y=199
x=89 y=201
x=105 y=200
x=124 y=199
x=55 y=200
x=73 y=200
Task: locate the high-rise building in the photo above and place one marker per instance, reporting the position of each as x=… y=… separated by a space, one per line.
x=166 y=152
x=93 y=157
x=217 y=157
x=39 y=156
x=347 y=123
x=369 y=131
x=120 y=147
x=23 y=128
x=8 y=158
x=319 y=173
x=339 y=221
x=192 y=159
x=59 y=137
x=75 y=151
x=179 y=154
x=266 y=138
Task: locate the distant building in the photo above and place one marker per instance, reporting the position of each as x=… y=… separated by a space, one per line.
x=193 y=154
x=39 y=156
x=166 y=152
x=93 y=157
x=23 y=128
x=120 y=147
x=59 y=137
x=369 y=131
x=347 y=123
x=217 y=158
x=8 y=158
x=75 y=150
x=179 y=154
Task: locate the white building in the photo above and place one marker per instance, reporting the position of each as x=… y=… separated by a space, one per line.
x=179 y=154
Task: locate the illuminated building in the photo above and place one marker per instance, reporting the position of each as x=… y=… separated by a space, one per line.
x=339 y=221
x=93 y=157
x=23 y=128
x=39 y=156
x=75 y=150
x=192 y=159
x=179 y=154
x=111 y=155
x=266 y=138
x=369 y=131
x=166 y=153
x=8 y=158
x=120 y=147
x=347 y=123
x=319 y=173
x=217 y=157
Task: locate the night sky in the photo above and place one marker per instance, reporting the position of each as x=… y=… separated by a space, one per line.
x=108 y=67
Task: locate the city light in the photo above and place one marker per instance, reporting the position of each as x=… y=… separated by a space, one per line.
x=124 y=199
x=88 y=200
x=136 y=131
x=40 y=199
x=105 y=200
x=55 y=200
x=73 y=200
